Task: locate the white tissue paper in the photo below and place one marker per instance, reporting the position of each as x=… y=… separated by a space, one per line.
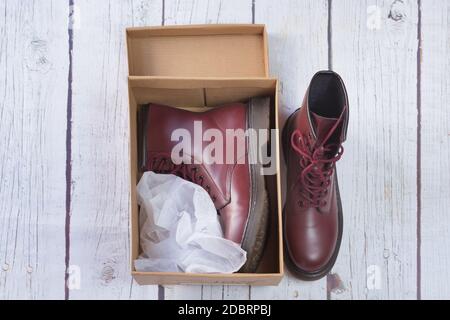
x=180 y=230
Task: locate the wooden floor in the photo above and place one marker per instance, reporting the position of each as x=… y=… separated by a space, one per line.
x=63 y=142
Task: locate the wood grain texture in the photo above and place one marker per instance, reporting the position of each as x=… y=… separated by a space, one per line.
x=33 y=87
x=200 y=12
x=297 y=49
x=375 y=51
x=100 y=195
x=435 y=146
x=207 y=11
x=374 y=45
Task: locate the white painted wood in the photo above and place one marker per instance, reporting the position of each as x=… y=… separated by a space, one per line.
x=33 y=95
x=378 y=61
x=207 y=11
x=375 y=50
x=183 y=292
x=297 y=49
x=199 y=12
x=435 y=83
x=100 y=195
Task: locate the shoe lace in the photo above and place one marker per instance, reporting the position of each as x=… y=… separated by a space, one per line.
x=186 y=171
x=316 y=168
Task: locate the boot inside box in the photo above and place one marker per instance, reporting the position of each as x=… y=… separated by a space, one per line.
x=199 y=94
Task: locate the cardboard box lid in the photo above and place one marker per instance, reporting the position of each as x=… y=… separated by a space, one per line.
x=198 y=51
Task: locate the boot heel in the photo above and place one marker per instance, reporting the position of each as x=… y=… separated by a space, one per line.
x=142 y=120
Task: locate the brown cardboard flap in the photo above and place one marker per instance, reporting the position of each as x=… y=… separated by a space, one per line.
x=198 y=92
x=198 y=51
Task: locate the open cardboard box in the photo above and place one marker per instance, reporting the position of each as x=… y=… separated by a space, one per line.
x=195 y=68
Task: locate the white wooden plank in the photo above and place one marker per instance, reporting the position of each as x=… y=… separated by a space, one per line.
x=298 y=48
x=378 y=63
x=435 y=146
x=199 y=12
x=213 y=292
x=236 y=292
x=146 y=13
x=374 y=48
x=100 y=196
x=184 y=292
x=33 y=91
x=207 y=292
x=207 y=11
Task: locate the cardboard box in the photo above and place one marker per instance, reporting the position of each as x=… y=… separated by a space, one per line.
x=199 y=67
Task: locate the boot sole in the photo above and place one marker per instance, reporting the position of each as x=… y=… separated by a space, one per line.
x=142 y=116
x=254 y=239
x=298 y=272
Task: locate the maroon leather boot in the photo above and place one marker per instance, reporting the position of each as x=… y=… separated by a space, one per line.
x=236 y=187
x=312 y=215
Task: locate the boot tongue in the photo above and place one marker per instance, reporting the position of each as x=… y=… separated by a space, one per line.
x=328 y=130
